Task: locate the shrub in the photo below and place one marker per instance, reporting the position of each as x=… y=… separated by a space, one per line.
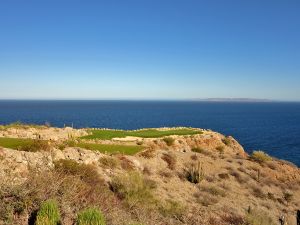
x=260 y=156
x=169 y=141
x=35 y=146
x=194 y=173
x=288 y=197
x=224 y=175
x=132 y=188
x=255 y=217
x=258 y=192
x=87 y=173
x=220 y=149
x=109 y=162
x=48 y=213
x=213 y=191
x=226 y=141
x=199 y=150
x=150 y=153
x=126 y=164
x=172 y=208
x=12 y=202
x=90 y=216
x=170 y=160
x=194 y=157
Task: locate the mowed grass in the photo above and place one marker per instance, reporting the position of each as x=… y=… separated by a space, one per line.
x=147 y=133
x=14 y=143
x=111 y=149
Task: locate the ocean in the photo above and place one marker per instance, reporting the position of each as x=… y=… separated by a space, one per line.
x=271 y=126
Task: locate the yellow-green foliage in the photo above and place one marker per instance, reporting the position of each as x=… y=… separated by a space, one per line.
x=260 y=156
x=169 y=141
x=48 y=214
x=90 y=216
x=133 y=188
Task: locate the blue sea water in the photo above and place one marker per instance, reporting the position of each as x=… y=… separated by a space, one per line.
x=271 y=127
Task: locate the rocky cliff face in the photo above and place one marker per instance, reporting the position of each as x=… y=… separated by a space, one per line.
x=231 y=185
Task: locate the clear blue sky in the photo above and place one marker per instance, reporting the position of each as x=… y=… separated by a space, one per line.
x=149 y=49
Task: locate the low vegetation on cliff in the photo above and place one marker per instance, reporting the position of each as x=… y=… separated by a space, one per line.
x=199 y=178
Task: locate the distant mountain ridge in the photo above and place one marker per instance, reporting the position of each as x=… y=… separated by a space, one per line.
x=234 y=100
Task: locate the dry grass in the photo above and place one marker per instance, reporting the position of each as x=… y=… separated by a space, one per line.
x=170 y=159
x=260 y=156
x=148 y=154
x=109 y=162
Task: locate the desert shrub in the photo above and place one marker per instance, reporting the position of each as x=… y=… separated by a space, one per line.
x=242 y=169
x=166 y=173
x=224 y=175
x=272 y=165
x=194 y=157
x=233 y=219
x=220 y=149
x=260 y=156
x=215 y=191
x=288 y=197
x=170 y=159
x=132 y=188
x=90 y=216
x=172 y=208
x=198 y=150
x=258 y=217
x=12 y=203
x=87 y=173
x=169 y=141
x=126 y=164
x=206 y=199
x=150 y=153
x=226 y=141
x=258 y=192
x=147 y=170
x=240 y=178
x=194 y=173
x=48 y=213
x=35 y=146
x=109 y=162
x=139 y=142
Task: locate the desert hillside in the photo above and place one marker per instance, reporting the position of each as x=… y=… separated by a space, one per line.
x=151 y=176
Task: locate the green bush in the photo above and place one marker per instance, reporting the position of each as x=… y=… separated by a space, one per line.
x=90 y=216
x=48 y=214
x=169 y=141
x=260 y=156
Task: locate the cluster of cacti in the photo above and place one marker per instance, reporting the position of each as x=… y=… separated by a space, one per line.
x=48 y=214
x=195 y=173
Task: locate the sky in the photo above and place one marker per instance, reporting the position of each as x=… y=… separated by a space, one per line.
x=150 y=49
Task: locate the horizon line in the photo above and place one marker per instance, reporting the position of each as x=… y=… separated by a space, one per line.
x=253 y=100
